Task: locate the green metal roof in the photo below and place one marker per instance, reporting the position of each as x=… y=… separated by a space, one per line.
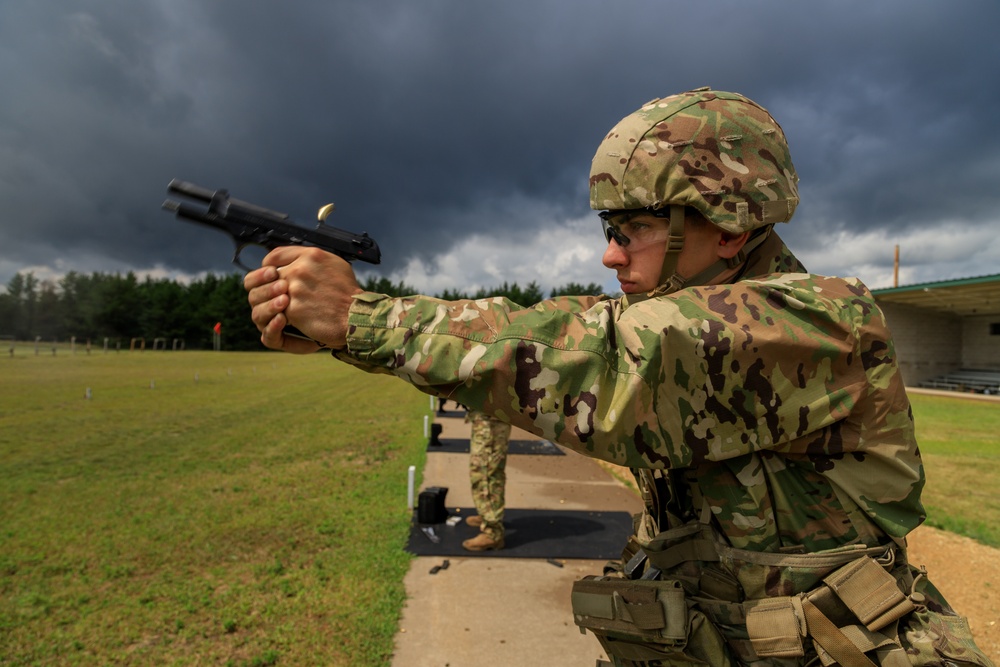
x=963 y=297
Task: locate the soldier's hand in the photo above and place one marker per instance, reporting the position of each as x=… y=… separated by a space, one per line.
x=306 y=288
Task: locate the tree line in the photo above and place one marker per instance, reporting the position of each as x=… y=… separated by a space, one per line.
x=122 y=307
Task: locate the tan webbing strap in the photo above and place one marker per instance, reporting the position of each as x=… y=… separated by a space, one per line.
x=833 y=641
x=867 y=640
x=674 y=535
x=645 y=616
x=698 y=549
x=670 y=280
x=676 y=242
x=886 y=648
x=870 y=592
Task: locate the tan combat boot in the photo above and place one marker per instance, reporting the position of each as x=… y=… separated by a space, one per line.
x=475 y=521
x=482 y=542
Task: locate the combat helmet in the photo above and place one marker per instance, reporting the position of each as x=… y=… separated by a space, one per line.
x=717 y=152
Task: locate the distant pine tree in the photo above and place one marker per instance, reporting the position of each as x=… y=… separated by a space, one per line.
x=576 y=289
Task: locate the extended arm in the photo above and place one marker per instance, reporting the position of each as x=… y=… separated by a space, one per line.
x=664 y=383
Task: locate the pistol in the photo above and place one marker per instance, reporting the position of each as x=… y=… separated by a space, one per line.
x=249 y=224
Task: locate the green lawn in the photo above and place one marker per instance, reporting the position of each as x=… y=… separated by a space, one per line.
x=960 y=442
x=249 y=509
x=241 y=509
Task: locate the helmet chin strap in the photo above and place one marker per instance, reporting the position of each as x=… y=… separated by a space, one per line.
x=672 y=281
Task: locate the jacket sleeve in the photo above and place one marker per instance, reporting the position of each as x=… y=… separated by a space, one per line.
x=705 y=374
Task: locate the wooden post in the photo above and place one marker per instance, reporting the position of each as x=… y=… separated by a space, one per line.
x=895 y=269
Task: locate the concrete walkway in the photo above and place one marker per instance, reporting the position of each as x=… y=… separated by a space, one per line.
x=505 y=611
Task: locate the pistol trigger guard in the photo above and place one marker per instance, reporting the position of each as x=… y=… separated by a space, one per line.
x=236 y=257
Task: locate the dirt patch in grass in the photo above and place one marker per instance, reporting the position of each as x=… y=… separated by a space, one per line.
x=968 y=574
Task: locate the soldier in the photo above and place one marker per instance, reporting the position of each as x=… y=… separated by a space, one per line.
x=488 y=477
x=760 y=407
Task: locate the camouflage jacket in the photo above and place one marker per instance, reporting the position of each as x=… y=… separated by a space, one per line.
x=777 y=397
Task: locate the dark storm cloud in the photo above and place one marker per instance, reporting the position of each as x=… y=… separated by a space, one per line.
x=423 y=121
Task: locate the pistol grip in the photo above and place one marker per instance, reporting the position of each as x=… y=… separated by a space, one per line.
x=295 y=333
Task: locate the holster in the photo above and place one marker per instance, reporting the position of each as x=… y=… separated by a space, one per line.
x=647 y=622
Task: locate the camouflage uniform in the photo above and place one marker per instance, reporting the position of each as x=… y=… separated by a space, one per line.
x=487 y=470
x=765 y=420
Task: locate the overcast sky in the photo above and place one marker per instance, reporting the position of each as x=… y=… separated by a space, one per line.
x=459 y=134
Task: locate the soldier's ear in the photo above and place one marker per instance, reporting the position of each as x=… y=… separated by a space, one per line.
x=731 y=244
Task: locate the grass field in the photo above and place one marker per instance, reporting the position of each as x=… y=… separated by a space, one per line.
x=960 y=443
x=249 y=509
x=253 y=516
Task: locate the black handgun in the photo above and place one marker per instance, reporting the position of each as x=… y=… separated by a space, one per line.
x=249 y=224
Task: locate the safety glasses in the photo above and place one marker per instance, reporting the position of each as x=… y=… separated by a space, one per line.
x=633 y=229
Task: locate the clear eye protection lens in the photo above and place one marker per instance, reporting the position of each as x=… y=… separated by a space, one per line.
x=612 y=232
x=635 y=229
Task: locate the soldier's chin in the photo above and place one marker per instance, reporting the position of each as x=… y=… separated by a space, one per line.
x=630 y=288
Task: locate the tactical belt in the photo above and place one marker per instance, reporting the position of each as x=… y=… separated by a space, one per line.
x=853 y=610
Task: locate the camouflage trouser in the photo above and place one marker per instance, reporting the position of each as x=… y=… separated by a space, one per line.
x=487 y=470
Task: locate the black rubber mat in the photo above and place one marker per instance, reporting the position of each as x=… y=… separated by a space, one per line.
x=531 y=534
x=451 y=414
x=535 y=447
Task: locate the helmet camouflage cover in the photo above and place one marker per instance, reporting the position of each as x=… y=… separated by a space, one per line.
x=717 y=152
